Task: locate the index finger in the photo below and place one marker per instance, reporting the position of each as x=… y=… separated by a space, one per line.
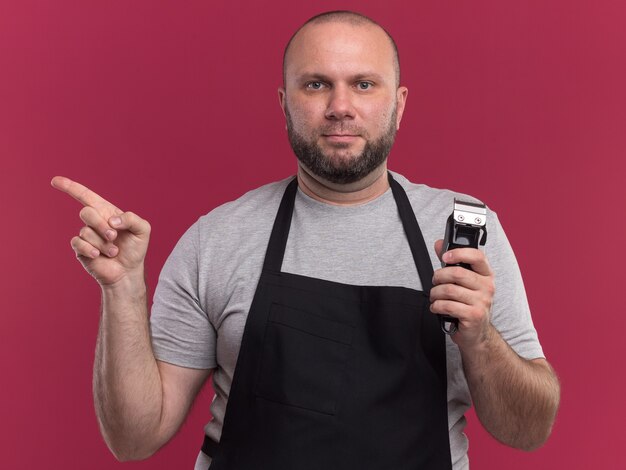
x=471 y=256
x=81 y=193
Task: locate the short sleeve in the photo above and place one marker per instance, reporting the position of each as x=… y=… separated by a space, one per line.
x=181 y=331
x=510 y=311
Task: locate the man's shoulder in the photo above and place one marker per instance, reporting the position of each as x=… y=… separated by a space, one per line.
x=256 y=204
x=427 y=199
x=236 y=229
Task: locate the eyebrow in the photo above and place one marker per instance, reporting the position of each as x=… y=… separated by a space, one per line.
x=355 y=78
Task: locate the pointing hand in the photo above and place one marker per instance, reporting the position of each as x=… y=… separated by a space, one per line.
x=112 y=245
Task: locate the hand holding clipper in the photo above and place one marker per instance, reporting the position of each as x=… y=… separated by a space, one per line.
x=466 y=228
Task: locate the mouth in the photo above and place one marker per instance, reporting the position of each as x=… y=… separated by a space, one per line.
x=340 y=138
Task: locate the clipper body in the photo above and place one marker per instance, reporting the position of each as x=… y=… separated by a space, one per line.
x=466 y=228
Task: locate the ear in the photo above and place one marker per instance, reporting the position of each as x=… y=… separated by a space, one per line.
x=401 y=96
x=282 y=98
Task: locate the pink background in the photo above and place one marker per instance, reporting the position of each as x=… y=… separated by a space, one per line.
x=170 y=108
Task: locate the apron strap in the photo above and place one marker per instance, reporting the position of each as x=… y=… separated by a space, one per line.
x=209 y=446
x=414 y=235
x=280 y=231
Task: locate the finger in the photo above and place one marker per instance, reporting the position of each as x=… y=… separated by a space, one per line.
x=458 y=275
x=131 y=222
x=472 y=256
x=90 y=236
x=453 y=292
x=93 y=219
x=84 y=249
x=451 y=308
x=81 y=193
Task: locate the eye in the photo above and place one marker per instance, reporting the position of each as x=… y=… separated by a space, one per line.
x=364 y=85
x=314 y=85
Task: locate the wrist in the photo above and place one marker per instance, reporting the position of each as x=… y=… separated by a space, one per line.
x=482 y=345
x=132 y=285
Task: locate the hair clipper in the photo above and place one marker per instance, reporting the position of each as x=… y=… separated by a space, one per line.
x=466 y=228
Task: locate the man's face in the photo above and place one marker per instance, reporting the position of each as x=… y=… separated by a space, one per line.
x=341 y=100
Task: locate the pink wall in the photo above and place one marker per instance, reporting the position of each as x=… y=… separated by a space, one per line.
x=170 y=108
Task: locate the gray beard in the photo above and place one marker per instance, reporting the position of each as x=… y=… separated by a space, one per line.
x=347 y=170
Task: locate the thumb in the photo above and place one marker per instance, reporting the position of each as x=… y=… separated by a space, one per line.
x=439 y=248
x=131 y=222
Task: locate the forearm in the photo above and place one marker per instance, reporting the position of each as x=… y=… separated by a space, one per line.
x=515 y=399
x=127 y=386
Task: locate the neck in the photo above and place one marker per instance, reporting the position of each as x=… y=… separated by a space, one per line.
x=367 y=189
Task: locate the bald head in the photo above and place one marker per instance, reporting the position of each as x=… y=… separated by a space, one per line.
x=343 y=17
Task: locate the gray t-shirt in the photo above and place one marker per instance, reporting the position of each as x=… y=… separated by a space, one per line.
x=206 y=286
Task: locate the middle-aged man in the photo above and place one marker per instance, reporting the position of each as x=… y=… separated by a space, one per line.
x=313 y=300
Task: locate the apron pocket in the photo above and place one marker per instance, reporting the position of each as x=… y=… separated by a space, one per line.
x=303 y=359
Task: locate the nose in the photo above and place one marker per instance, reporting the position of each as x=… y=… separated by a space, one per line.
x=340 y=105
